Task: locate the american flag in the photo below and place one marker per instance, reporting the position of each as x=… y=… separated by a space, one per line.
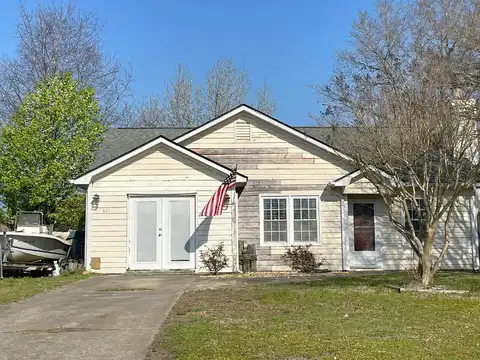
x=214 y=206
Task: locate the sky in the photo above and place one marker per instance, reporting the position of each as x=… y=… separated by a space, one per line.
x=289 y=43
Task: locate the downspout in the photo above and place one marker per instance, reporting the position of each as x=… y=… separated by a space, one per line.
x=343 y=226
x=474 y=229
x=88 y=234
x=237 y=264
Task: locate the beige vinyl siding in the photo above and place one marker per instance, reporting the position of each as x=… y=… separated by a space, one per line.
x=162 y=171
x=396 y=253
x=459 y=230
x=360 y=186
x=277 y=163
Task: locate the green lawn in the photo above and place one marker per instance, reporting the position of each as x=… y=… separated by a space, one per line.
x=332 y=318
x=14 y=289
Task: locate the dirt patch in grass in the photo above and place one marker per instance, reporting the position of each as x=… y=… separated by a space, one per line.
x=15 y=289
x=267 y=274
x=354 y=317
x=125 y=289
x=156 y=350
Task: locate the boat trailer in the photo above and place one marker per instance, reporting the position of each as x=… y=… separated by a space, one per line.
x=21 y=269
x=25 y=269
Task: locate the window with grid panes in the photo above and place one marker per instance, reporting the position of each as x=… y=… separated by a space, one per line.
x=290 y=220
x=305 y=220
x=275 y=220
x=418 y=217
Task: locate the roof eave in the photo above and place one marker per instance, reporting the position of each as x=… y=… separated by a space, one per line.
x=86 y=178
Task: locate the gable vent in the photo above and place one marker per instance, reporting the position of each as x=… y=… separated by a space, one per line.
x=243 y=131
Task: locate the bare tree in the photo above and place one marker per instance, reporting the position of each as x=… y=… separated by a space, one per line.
x=266 y=102
x=187 y=105
x=183 y=103
x=227 y=86
x=55 y=39
x=149 y=112
x=409 y=88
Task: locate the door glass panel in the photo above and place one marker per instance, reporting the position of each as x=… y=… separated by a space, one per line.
x=364 y=227
x=180 y=230
x=146 y=231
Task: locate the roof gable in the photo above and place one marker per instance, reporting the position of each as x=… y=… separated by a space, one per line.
x=262 y=117
x=86 y=178
x=119 y=141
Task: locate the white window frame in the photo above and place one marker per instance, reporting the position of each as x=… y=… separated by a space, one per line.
x=262 y=219
x=290 y=219
x=405 y=210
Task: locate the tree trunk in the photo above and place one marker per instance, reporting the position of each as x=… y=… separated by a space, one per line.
x=419 y=269
x=426 y=261
x=426 y=270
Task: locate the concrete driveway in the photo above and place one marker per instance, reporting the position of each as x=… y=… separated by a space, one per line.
x=91 y=319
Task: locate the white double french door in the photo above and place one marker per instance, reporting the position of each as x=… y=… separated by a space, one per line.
x=161 y=233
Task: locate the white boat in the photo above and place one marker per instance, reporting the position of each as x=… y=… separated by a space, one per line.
x=30 y=242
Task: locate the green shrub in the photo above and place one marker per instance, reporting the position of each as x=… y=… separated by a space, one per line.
x=214 y=259
x=300 y=258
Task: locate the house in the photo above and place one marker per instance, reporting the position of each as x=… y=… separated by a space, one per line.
x=147 y=187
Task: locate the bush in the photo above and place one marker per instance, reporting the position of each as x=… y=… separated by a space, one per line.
x=301 y=259
x=214 y=259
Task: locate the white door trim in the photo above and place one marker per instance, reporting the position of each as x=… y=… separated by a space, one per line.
x=160 y=264
x=352 y=259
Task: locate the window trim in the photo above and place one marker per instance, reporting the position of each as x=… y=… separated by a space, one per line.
x=290 y=219
x=262 y=224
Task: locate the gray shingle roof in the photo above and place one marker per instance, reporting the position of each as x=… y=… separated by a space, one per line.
x=119 y=141
x=321 y=133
